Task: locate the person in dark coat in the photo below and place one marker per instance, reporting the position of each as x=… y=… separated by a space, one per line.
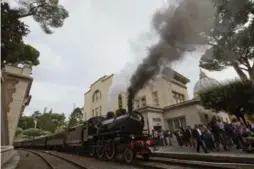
x=207 y=136
x=216 y=132
x=199 y=139
x=188 y=134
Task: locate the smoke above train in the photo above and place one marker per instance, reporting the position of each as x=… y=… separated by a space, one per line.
x=179 y=26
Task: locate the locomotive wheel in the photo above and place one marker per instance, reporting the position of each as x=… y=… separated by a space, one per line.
x=128 y=155
x=100 y=149
x=110 y=150
x=91 y=149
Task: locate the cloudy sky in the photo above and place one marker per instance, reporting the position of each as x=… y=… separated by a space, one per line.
x=98 y=38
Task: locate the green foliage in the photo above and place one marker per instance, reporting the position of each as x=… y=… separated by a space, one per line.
x=19 y=131
x=32 y=132
x=45 y=132
x=50 y=121
x=230 y=97
x=47 y=121
x=48 y=13
x=76 y=117
x=26 y=122
x=13 y=49
x=231 y=48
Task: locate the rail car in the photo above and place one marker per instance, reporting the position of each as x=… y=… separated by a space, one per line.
x=101 y=137
x=38 y=142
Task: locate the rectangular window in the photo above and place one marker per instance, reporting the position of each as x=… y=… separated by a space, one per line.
x=178 y=97
x=100 y=110
x=170 y=125
x=143 y=101
x=182 y=122
x=97 y=111
x=155 y=98
x=137 y=105
x=176 y=123
x=156 y=119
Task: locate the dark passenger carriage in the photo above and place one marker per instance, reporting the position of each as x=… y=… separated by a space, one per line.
x=55 y=141
x=77 y=136
x=27 y=143
x=39 y=142
x=18 y=144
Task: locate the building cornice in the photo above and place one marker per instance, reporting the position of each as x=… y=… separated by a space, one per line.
x=179 y=84
x=150 y=109
x=26 y=78
x=102 y=79
x=182 y=104
x=181 y=78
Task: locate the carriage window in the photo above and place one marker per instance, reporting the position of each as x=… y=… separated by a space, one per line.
x=71 y=129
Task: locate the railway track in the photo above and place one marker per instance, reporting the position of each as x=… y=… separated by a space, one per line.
x=197 y=164
x=54 y=161
x=166 y=163
x=153 y=163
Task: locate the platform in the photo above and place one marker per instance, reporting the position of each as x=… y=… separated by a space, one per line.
x=9 y=157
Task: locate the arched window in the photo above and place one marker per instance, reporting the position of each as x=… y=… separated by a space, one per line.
x=96 y=96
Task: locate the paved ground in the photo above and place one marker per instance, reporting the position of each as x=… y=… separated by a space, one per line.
x=31 y=161
x=177 y=149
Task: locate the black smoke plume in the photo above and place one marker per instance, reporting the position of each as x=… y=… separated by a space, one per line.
x=179 y=29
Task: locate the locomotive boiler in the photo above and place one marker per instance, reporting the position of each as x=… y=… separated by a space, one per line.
x=121 y=122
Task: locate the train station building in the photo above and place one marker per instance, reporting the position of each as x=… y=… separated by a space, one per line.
x=164 y=103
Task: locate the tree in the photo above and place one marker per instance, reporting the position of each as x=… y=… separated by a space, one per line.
x=48 y=13
x=46 y=121
x=236 y=97
x=13 y=49
x=26 y=122
x=231 y=43
x=50 y=121
x=76 y=117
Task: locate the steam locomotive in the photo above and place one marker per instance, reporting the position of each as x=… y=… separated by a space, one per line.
x=101 y=137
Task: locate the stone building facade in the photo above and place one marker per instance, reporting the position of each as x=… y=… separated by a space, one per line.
x=164 y=102
x=15 y=87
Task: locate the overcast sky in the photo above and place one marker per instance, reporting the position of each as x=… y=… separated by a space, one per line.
x=98 y=38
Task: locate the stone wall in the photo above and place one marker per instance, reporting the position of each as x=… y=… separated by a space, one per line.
x=15 y=96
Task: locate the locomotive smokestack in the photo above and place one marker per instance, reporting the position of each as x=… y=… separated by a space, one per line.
x=120 y=102
x=130 y=100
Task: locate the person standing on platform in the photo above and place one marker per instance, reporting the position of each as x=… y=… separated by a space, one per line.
x=199 y=137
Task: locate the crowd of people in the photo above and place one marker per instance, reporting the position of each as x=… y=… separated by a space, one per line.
x=210 y=137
